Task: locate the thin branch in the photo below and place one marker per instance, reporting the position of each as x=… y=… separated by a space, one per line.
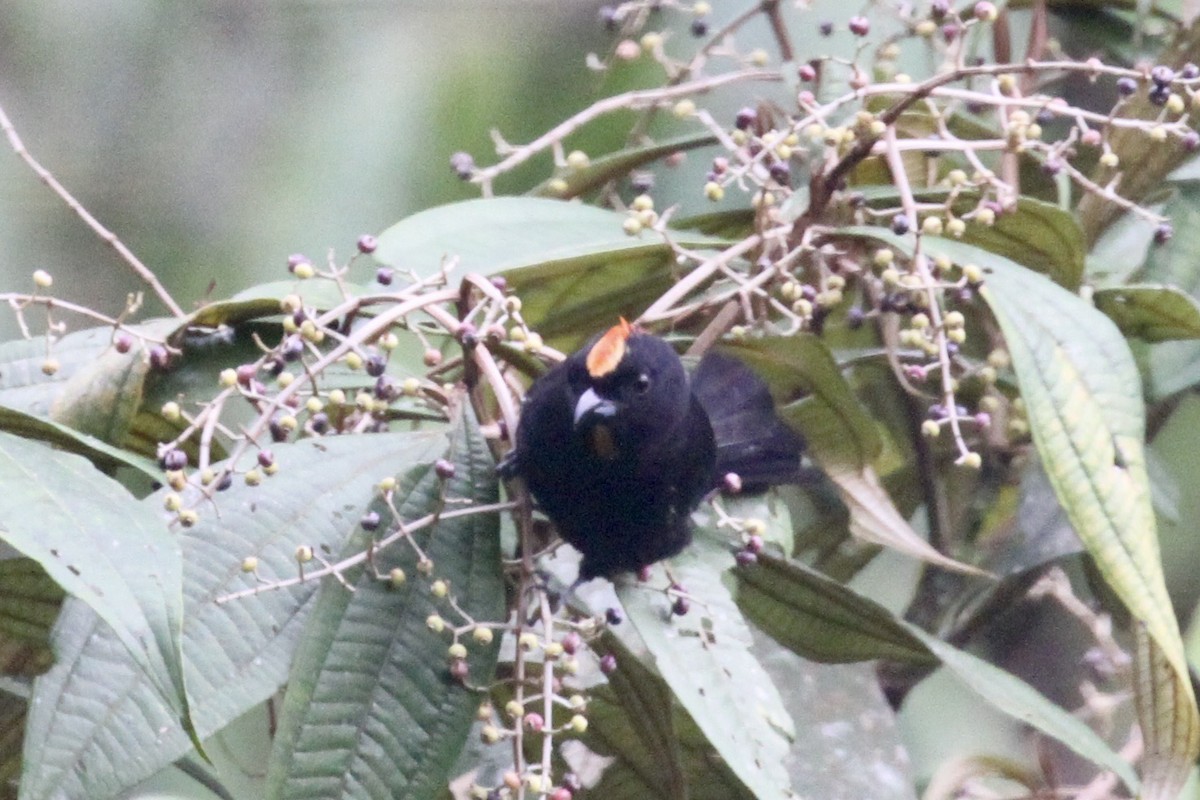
x=106 y=236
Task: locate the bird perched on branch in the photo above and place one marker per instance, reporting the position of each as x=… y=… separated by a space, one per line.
x=618 y=446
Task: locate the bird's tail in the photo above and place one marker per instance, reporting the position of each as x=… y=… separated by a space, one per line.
x=751 y=440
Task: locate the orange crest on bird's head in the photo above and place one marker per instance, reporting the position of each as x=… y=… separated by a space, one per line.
x=608 y=351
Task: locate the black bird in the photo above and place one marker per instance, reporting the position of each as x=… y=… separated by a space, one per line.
x=618 y=446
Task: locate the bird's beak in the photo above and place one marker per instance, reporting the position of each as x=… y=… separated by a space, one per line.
x=592 y=404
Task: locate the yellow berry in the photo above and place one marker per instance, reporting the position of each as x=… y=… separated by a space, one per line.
x=42 y=279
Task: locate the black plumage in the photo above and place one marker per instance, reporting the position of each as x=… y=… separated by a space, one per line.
x=618 y=446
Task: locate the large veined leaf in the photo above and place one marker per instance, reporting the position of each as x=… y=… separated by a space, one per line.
x=1081 y=390
x=705 y=659
x=93 y=709
x=371 y=708
x=797 y=606
x=1082 y=395
x=103 y=455
x=104 y=547
x=574 y=268
x=616 y=165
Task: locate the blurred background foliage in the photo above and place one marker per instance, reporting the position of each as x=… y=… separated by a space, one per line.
x=217 y=137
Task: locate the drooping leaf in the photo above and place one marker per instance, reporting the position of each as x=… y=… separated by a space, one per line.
x=93 y=706
x=103 y=396
x=572 y=265
x=262 y=300
x=1152 y=312
x=705 y=659
x=102 y=455
x=618 y=164
x=102 y=546
x=371 y=709
x=12 y=725
x=819 y=618
x=29 y=604
x=1081 y=391
x=1017 y=698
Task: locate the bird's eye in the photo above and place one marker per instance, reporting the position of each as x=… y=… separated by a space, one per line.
x=642 y=384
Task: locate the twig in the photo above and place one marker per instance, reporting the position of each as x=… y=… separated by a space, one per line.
x=106 y=236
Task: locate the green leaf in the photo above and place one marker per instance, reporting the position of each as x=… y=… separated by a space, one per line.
x=104 y=547
x=12 y=726
x=1081 y=390
x=1015 y=697
x=705 y=659
x=102 y=455
x=616 y=165
x=371 y=709
x=819 y=618
x=1152 y=312
x=262 y=301
x=574 y=268
x=103 y=396
x=93 y=706
x=29 y=604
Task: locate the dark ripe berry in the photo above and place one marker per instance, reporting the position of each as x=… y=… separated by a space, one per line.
x=950 y=32
x=500 y=282
x=385 y=388
x=1045 y=116
x=807 y=73
x=860 y=26
x=160 y=359
x=265 y=458
x=643 y=574
x=319 y=422
x=463 y=165
x=375 y=365
x=745 y=558
x=937 y=411
x=900 y=224
x=246 y=373
x=571 y=643
x=274 y=367
x=641 y=182
x=292 y=348
x=367 y=243
x=278 y=432
x=825 y=28
x=1126 y=86
x=299 y=316
x=384 y=275
x=1189 y=72
x=854 y=318
x=1190 y=141
x=781 y=174
x=745 y=118
x=699 y=27
x=444 y=469
x=612 y=616
x=1163 y=233
x=754 y=544
x=1158 y=95
x=1051 y=167
x=459 y=669
x=1162 y=75
x=467 y=335
x=608 y=664
x=295 y=260
x=173 y=460
x=369 y=521
x=939 y=9
x=808 y=292
x=123 y=343
x=681 y=606
x=225 y=481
